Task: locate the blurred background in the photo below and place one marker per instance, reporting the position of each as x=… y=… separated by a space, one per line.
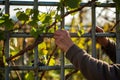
x=105 y=18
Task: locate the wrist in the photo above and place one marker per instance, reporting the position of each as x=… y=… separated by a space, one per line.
x=105 y=42
x=68 y=47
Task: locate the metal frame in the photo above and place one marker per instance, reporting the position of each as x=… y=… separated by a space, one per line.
x=62 y=67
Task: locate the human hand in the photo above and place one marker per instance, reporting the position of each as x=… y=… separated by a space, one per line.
x=101 y=40
x=63 y=40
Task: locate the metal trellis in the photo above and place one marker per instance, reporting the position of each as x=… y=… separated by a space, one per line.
x=62 y=66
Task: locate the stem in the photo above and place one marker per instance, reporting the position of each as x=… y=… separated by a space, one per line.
x=54 y=50
x=37 y=40
x=16 y=71
x=117 y=22
x=30 y=47
x=18 y=27
x=70 y=12
x=69 y=74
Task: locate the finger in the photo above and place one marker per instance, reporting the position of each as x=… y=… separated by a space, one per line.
x=58 y=32
x=56 y=37
x=61 y=33
x=99 y=29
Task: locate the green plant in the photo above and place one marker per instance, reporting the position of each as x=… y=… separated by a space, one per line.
x=40 y=23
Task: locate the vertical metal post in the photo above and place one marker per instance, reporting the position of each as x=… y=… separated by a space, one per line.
x=36 y=4
x=23 y=59
x=93 y=31
x=117 y=37
x=35 y=62
x=62 y=55
x=36 y=48
x=7 y=6
x=7 y=49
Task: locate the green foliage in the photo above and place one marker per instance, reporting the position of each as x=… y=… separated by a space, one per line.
x=29 y=76
x=2 y=36
x=45 y=18
x=38 y=23
x=6 y=21
x=72 y=4
x=21 y=16
x=80 y=32
x=117 y=2
x=58 y=18
x=34 y=32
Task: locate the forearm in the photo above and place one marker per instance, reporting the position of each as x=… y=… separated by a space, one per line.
x=91 y=68
x=110 y=50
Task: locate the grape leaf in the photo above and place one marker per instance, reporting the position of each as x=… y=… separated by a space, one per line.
x=33 y=23
x=29 y=76
x=29 y=11
x=6 y=21
x=45 y=18
x=35 y=15
x=80 y=32
x=2 y=37
x=9 y=24
x=71 y=4
x=22 y=16
x=33 y=32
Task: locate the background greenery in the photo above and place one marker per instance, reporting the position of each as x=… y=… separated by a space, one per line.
x=37 y=22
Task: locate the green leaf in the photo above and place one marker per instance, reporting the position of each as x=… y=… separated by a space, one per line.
x=33 y=32
x=2 y=37
x=45 y=18
x=33 y=23
x=42 y=17
x=80 y=32
x=5 y=16
x=58 y=18
x=41 y=29
x=72 y=4
x=42 y=46
x=35 y=15
x=29 y=11
x=52 y=62
x=29 y=76
x=59 y=6
x=2 y=21
x=9 y=24
x=6 y=21
x=52 y=13
x=22 y=16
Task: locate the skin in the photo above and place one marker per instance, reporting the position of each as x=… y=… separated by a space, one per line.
x=64 y=42
x=101 y=40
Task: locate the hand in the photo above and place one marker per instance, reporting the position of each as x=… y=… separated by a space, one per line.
x=101 y=40
x=63 y=40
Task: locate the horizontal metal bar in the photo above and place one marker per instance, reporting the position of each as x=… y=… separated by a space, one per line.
x=57 y=67
x=30 y=3
x=100 y=5
x=17 y=35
